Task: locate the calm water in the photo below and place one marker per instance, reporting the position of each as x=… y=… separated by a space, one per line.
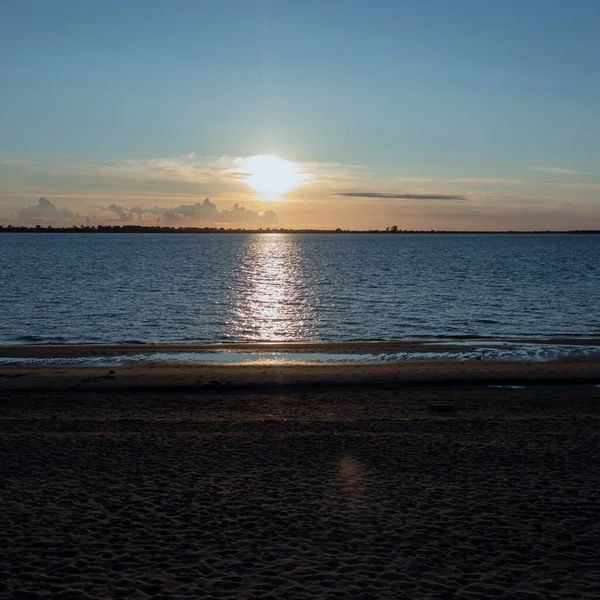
x=208 y=288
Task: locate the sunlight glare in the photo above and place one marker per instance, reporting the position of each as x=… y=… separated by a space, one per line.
x=271 y=174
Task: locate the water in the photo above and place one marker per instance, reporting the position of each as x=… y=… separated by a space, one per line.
x=504 y=352
x=115 y=288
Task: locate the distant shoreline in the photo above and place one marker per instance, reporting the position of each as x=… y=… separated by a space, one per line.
x=200 y=230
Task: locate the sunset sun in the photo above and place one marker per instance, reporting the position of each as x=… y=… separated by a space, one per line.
x=271 y=174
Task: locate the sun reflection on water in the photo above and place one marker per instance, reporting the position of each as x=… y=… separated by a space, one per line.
x=271 y=303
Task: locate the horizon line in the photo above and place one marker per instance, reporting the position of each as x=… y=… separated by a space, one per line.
x=215 y=229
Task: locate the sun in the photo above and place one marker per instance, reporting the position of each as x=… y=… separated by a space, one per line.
x=271 y=175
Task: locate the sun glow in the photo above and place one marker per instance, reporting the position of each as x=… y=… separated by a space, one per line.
x=271 y=175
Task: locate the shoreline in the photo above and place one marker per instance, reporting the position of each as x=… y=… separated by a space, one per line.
x=434 y=344
x=163 y=366
x=289 y=377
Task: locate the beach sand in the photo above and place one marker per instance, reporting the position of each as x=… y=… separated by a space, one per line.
x=380 y=481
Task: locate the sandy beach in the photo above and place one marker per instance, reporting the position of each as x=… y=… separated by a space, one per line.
x=416 y=480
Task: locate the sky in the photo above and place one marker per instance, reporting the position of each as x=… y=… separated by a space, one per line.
x=424 y=114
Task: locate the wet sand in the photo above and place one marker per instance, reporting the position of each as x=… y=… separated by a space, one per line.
x=370 y=481
x=203 y=378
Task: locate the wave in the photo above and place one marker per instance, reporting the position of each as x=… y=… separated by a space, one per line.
x=37 y=339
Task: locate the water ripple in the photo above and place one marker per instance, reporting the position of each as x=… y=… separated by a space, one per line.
x=170 y=288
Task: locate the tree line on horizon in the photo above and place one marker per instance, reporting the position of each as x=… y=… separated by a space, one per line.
x=165 y=229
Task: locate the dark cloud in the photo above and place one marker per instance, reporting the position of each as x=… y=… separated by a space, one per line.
x=403 y=196
x=201 y=213
x=44 y=211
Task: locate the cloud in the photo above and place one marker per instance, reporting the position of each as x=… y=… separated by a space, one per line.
x=188 y=168
x=191 y=169
x=200 y=213
x=556 y=170
x=17 y=163
x=327 y=172
x=203 y=214
x=44 y=211
x=124 y=214
x=402 y=196
x=495 y=181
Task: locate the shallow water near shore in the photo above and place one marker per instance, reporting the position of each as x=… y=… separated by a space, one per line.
x=500 y=351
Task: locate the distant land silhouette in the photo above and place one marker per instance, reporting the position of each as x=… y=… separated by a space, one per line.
x=155 y=229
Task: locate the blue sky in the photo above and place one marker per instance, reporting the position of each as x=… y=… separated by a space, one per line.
x=495 y=102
